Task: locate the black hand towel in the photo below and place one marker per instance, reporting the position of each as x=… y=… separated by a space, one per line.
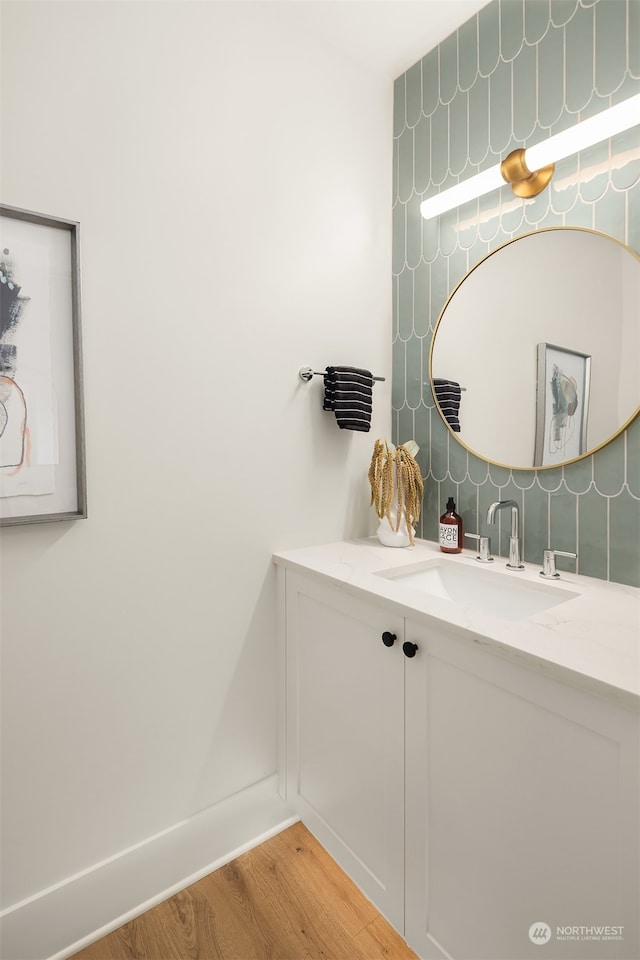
x=348 y=392
x=448 y=396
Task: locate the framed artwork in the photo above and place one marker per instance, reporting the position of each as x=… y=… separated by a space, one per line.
x=562 y=404
x=42 y=461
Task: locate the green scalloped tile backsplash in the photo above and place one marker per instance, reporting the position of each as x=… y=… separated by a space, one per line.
x=517 y=71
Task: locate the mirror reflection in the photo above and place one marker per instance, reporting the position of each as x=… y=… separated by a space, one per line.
x=535 y=359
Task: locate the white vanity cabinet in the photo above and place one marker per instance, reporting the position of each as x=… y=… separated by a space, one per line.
x=470 y=795
x=521 y=809
x=345 y=734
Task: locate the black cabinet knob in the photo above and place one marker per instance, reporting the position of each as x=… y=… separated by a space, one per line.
x=388 y=638
x=409 y=649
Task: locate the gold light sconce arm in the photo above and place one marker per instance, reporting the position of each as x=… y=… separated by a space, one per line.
x=524 y=182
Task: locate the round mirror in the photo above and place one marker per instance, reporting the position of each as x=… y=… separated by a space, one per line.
x=535 y=359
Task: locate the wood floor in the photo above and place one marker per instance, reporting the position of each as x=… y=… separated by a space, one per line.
x=284 y=900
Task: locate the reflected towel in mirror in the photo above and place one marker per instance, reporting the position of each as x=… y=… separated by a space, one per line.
x=447 y=393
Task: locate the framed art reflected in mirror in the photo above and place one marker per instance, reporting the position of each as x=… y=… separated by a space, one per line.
x=562 y=393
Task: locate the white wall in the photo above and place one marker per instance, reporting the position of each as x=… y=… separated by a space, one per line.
x=232 y=179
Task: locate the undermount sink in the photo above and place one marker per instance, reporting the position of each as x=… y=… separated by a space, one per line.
x=498 y=594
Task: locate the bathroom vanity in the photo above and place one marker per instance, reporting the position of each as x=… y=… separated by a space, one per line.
x=463 y=740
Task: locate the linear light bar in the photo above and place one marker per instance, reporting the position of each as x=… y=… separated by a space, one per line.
x=529 y=171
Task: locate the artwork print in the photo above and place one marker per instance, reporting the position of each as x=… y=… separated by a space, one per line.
x=41 y=442
x=26 y=398
x=562 y=404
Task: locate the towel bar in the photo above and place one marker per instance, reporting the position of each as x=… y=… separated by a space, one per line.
x=427 y=383
x=306 y=374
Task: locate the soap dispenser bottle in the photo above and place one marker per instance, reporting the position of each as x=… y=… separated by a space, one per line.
x=451 y=532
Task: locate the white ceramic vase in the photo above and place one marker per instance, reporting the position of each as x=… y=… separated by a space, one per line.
x=386 y=532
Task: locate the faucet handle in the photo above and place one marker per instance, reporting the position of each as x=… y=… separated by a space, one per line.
x=484 y=547
x=549 y=571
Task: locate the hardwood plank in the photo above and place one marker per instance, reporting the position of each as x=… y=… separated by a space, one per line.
x=302 y=863
x=284 y=900
x=380 y=940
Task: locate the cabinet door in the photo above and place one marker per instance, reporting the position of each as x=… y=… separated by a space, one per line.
x=345 y=734
x=522 y=809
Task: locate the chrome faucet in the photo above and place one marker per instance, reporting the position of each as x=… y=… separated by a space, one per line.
x=514 y=540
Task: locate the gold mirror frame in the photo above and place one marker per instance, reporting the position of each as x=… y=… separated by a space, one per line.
x=535 y=278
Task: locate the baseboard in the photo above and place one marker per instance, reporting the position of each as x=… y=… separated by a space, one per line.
x=62 y=920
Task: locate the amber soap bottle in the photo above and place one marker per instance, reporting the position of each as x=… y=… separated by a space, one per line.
x=451 y=532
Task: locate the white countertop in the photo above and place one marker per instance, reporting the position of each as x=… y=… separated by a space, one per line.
x=592 y=639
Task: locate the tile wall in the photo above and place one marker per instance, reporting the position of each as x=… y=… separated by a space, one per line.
x=515 y=73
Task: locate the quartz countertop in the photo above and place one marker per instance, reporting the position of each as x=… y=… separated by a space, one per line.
x=591 y=640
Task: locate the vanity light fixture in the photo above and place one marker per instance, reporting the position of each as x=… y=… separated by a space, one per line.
x=530 y=170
